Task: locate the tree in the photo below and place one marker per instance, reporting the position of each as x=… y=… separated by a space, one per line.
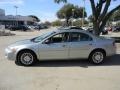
x=35 y=18
x=47 y=23
x=116 y=15
x=79 y=22
x=99 y=12
x=90 y=18
x=57 y=23
x=70 y=11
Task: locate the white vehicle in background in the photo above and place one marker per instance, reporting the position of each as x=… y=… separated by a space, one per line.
x=62 y=44
x=85 y=28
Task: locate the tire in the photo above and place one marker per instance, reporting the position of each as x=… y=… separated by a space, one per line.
x=97 y=57
x=26 y=58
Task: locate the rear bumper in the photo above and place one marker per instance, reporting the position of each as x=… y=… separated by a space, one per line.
x=111 y=52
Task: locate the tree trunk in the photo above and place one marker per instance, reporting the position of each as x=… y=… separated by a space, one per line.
x=96 y=29
x=100 y=16
x=67 y=22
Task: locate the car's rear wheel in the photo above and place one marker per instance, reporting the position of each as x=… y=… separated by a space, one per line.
x=26 y=58
x=97 y=56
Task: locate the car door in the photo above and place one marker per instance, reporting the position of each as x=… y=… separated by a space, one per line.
x=55 y=47
x=80 y=45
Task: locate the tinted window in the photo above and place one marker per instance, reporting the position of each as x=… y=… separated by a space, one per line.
x=61 y=37
x=76 y=37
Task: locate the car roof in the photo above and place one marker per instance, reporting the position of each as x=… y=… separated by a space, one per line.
x=74 y=30
x=71 y=27
x=70 y=30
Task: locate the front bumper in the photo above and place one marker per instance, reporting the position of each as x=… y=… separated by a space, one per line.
x=10 y=55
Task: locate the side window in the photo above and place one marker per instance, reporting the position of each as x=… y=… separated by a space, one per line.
x=76 y=37
x=85 y=37
x=58 y=38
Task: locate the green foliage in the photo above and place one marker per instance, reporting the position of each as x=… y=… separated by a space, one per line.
x=70 y=11
x=116 y=15
x=58 y=1
x=118 y=24
x=74 y=23
x=79 y=23
x=57 y=23
x=47 y=23
x=100 y=13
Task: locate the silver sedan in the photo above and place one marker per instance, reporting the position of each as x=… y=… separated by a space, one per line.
x=61 y=45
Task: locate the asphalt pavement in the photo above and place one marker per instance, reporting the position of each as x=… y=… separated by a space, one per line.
x=57 y=75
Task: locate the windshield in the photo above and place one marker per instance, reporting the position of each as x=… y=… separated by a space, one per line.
x=41 y=37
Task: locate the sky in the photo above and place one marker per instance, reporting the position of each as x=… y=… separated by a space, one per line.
x=44 y=9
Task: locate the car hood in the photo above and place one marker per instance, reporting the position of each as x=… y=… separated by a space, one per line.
x=22 y=42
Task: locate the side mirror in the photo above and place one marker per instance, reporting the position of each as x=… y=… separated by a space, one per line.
x=47 y=42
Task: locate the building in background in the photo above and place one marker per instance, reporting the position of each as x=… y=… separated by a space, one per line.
x=10 y=20
x=2 y=12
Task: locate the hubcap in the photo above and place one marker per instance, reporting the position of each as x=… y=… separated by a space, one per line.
x=27 y=58
x=98 y=57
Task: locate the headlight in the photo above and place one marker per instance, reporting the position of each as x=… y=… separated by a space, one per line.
x=13 y=49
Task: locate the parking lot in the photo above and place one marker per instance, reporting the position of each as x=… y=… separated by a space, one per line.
x=57 y=75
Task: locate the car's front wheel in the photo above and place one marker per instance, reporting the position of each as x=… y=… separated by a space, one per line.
x=97 y=56
x=26 y=58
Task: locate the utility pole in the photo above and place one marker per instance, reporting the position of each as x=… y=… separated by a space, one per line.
x=16 y=22
x=83 y=13
x=73 y=16
x=16 y=7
